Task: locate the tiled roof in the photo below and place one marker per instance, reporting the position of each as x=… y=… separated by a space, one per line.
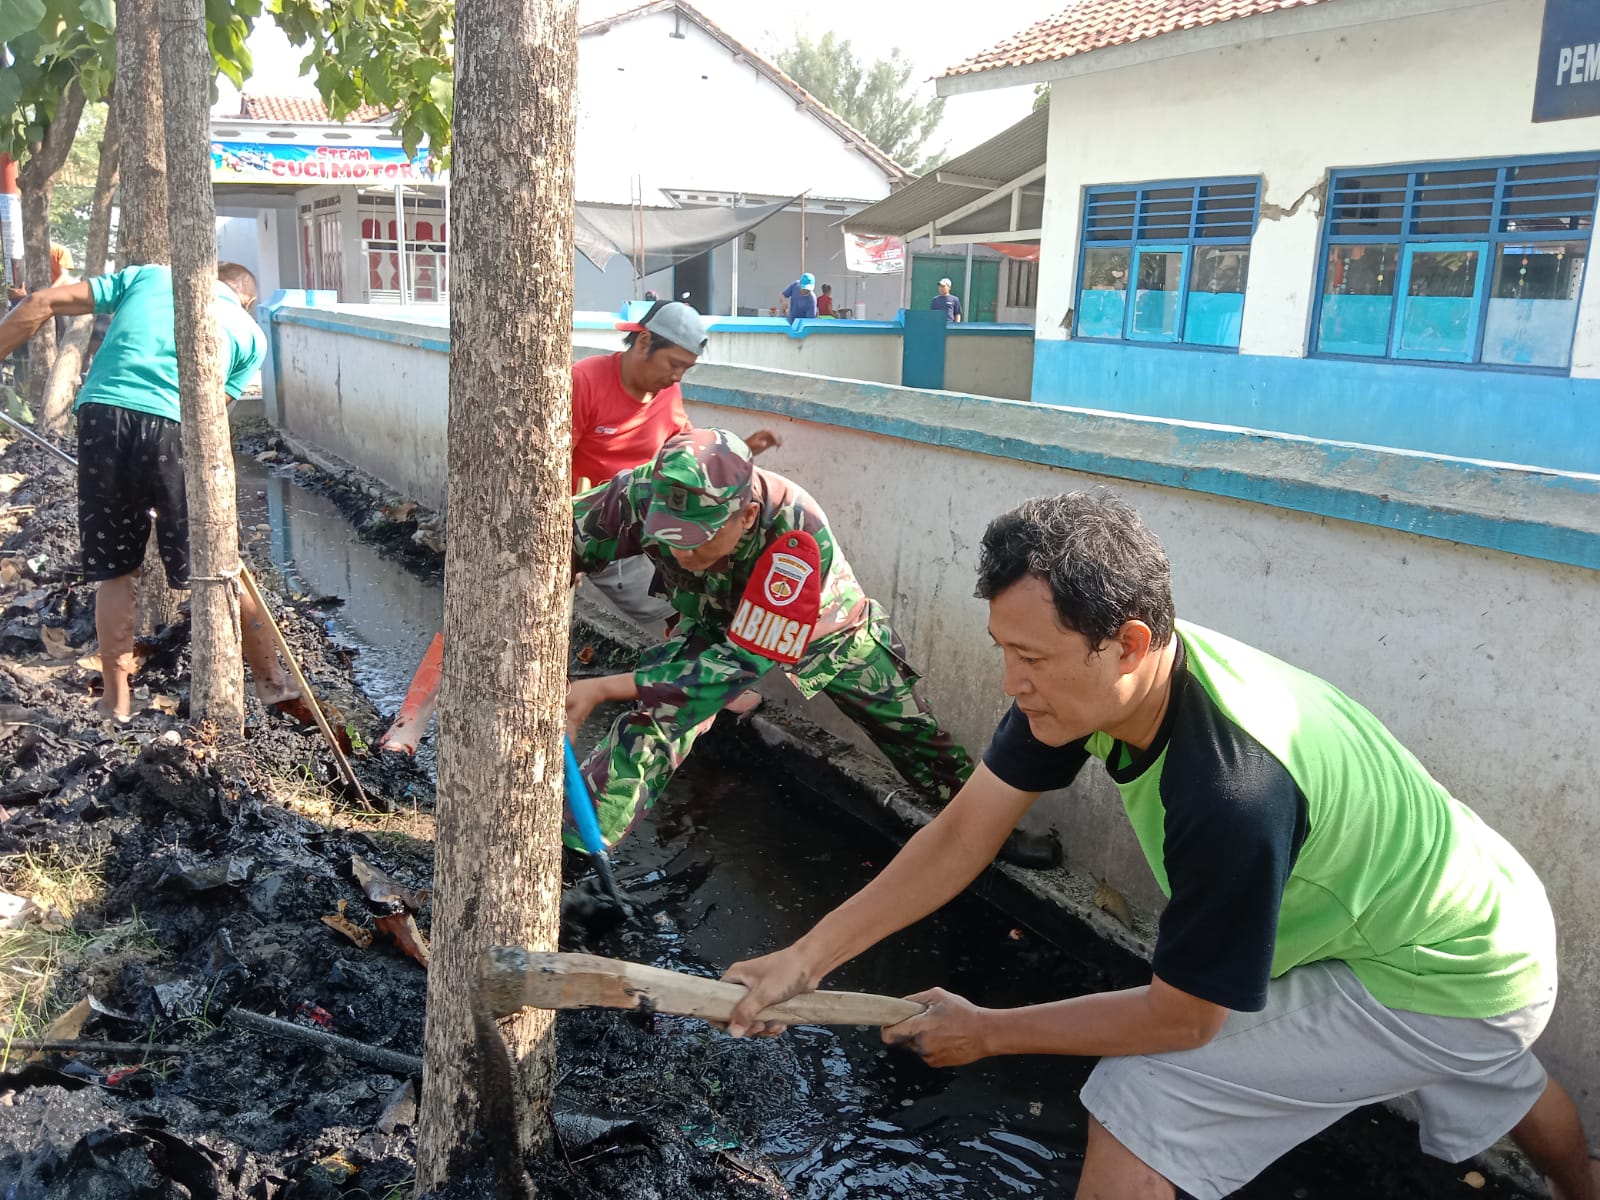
x=1090 y=25
x=303 y=109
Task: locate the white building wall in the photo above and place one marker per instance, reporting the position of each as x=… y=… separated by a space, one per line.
x=1453 y=85
x=636 y=85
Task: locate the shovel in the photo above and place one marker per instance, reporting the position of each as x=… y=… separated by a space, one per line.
x=512 y=978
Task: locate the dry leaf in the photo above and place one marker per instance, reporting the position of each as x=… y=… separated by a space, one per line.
x=164 y=704
x=348 y=927
x=402 y=927
x=90 y=662
x=10 y=573
x=55 y=642
x=399 y=513
x=9 y=483
x=385 y=889
x=337 y=1167
x=66 y=1027
x=1108 y=900
x=1474 y=1179
x=586 y=655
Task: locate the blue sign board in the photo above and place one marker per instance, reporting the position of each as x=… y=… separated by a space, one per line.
x=1568 y=84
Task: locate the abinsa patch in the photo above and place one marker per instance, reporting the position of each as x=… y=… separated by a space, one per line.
x=778 y=612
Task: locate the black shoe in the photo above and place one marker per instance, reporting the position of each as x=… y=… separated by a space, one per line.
x=1035 y=851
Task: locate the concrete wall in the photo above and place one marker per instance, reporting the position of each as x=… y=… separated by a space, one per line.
x=379 y=401
x=1448 y=85
x=1449 y=596
x=987 y=362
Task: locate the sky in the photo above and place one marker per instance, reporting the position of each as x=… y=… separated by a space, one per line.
x=932 y=34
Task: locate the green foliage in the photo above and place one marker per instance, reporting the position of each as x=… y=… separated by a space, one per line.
x=878 y=98
x=394 y=53
x=51 y=42
x=1041 y=96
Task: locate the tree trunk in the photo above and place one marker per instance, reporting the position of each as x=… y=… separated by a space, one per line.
x=36 y=179
x=497 y=857
x=68 y=367
x=216 y=685
x=142 y=235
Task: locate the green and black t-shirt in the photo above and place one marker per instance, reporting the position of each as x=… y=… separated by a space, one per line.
x=1288 y=826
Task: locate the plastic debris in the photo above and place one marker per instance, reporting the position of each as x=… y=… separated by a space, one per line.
x=349 y=928
x=314 y=1013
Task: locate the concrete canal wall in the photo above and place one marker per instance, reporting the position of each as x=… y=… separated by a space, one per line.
x=1454 y=598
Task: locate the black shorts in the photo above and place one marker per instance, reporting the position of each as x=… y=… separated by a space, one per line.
x=130 y=467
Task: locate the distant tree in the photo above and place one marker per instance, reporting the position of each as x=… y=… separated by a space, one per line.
x=1041 y=96
x=878 y=98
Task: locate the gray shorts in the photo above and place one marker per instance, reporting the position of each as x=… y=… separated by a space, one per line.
x=1210 y=1120
x=625 y=586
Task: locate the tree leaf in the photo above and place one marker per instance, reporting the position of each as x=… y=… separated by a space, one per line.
x=18 y=17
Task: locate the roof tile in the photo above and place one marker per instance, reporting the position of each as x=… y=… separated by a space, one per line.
x=1090 y=25
x=304 y=109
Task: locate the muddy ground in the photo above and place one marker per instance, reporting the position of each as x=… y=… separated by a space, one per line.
x=170 y=880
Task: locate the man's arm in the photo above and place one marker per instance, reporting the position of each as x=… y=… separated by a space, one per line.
x=1155 y=1019
x=945 y=855
x=28 y=317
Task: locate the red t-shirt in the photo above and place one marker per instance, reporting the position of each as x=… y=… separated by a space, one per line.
x=611 y=431
x=824 y=306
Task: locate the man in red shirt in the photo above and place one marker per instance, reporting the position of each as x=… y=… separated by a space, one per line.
x=624 y=406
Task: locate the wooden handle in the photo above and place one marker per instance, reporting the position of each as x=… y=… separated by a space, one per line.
x=513 y=978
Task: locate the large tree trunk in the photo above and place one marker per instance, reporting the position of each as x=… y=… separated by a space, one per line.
x=68 y=367
x=36 y=179
x=497 y=858
x=142 y=235
x=216 y=687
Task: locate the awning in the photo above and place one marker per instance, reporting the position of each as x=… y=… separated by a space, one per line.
x=992 y=193
x=667 y=236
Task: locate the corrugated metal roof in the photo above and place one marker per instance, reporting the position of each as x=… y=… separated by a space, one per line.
x=1002 y=158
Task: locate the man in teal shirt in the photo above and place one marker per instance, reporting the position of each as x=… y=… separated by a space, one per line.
x=1339 y=930
x=130 y=450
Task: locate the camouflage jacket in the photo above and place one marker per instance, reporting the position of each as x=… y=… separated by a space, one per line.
x=608 y=525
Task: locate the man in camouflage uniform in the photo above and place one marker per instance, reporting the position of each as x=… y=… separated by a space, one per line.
x=707 y=517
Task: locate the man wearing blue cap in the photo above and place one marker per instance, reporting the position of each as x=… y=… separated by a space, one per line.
x=802 y=297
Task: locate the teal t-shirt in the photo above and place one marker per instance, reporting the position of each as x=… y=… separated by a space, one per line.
x=1287 y=826
x=137 y=364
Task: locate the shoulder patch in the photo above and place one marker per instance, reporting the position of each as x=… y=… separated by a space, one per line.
x=778 y=612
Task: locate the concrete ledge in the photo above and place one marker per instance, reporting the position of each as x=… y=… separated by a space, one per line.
x=1539 y=513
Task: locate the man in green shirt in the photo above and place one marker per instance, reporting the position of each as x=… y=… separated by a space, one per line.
x=1340 y=930
x=130 y=451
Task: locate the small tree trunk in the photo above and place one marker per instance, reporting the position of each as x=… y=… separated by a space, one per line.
x=216 y=688
x=142 y=232
x=36 y=179
x=497 y=856
x=68 y=367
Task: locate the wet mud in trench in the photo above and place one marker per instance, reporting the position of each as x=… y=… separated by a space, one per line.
x=213 y=876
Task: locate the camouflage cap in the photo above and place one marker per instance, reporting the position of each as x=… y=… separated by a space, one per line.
x=699 y=481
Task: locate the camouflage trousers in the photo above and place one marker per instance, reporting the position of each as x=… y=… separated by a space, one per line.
x=867 y=678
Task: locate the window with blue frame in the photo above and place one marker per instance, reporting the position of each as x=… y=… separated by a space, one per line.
x=1166 y=262
x=1475 y=263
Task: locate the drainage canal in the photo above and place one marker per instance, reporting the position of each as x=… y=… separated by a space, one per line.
x=738 y=860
